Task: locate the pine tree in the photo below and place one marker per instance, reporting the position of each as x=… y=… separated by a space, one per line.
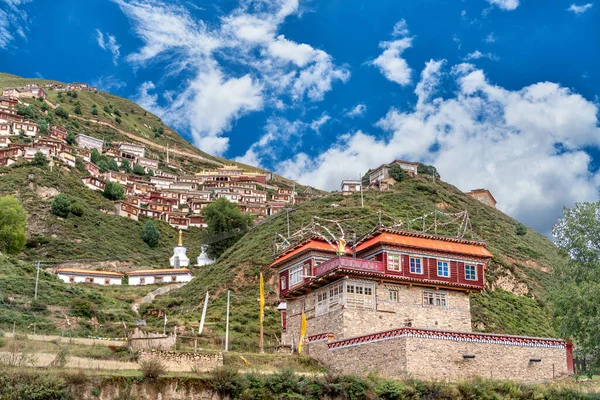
x=61 y=205
x=150 y=234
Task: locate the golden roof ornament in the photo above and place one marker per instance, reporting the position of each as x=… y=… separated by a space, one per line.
x=180 y=243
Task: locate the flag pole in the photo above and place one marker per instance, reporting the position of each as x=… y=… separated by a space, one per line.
x=262 y=311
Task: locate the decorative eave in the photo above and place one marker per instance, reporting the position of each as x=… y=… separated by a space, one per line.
x=473 y=337
x=384 y=229
x=87 y=272
x=296 y=249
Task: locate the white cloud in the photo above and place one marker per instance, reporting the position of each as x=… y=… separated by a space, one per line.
x=580 y=9
x=476 y=55
x=109 y=83
x=507 y=5
x=527 y=146
x=491 y=38
x=268 y=67
x=390 y=63
x=13 y=21
x=319 y=122
x=109 y=44
x=357 y=111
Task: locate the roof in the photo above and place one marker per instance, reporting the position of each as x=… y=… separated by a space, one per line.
x=311 y=243
x=88 y=272
x=482 y=191
x=423 y=240
x=166 y=271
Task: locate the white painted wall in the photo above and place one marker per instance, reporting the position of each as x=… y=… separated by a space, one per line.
x=150 y=279
x=99 y=280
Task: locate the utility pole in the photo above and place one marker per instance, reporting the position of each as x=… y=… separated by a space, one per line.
x=165 y=325
x=287 y=213
x=227 y=324
x=37 y=279
x=201 y=327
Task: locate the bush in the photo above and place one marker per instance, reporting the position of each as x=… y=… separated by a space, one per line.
x=150 y=234
x=153 y=368
x=77 y=109
x=13 y=222
x=397 y=173
x=71 y=139
x=138 y=170
x=61 y=112
x=226 y=381
x=77 y=209
x=82 y=308
x=521 y=229
x=39 y=159
x=118 y=120
x=61 y=205
x=113 y=191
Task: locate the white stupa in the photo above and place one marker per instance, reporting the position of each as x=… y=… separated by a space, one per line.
x=179 y=259
x=203 y=258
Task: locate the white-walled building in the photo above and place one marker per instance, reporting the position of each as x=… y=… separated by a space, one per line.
x=88 y=142
x=153 y=276
x=350 y=186
x=72 y=275
x=129 y=148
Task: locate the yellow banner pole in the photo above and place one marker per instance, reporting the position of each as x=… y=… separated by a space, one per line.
x=262 y=312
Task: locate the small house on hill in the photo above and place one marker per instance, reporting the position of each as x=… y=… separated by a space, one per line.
x=73 y=275
x=381 y=174
x=350 y=186
x=152 y=276
x=484 y=196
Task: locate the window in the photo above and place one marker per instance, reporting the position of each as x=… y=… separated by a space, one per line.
x=471 y=272
x=443 y=269
x=173 y=279
x=107 y=281
x=435 y=299
x=158 y=279
x=322 y=306
x=393 y=262
x=283 y=283
x=360 y=295
x=394 y=296
x=416 y=265
x=142 y=281
x=89 y=280
x=295 y=275
x=72 y=279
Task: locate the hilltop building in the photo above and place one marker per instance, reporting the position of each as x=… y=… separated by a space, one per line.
x=350 y=186
x=179 y=259
x=89 y=142
x=381 y=174
x=484 y=196
x=73 y=275
x=399 y=304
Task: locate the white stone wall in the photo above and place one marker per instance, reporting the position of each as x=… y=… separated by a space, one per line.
x=98 y=280
x=150 y=279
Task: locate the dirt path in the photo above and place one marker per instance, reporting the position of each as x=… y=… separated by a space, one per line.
x=157 y=292
x=147 y=142
x=75 y=340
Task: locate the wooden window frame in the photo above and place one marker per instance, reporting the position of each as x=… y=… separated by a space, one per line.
x=410 y=266
x=393 y=256
x=447 y=266
x=474 y=266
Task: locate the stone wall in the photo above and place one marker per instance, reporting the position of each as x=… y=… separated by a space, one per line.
x=437 y=359
x=199 y=361
x=407 y=311
x=148 y=340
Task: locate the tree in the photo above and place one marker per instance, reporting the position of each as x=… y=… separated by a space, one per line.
x=39 y=159
x=113 y=191
x=112 y=165
x=44 y=107
x=139 y=170
x=77 y=209
x=61 y=205
x=61 y=112
x=106 y=109
x=430 y=170
x=80 y=165
x=103 y=165
x=118 y=120
x=150 y=172
x=94 y=110
x=576 y=308
x=95 y=156
x=397 y=173
x=13 y=223
x=71 y=140
x=125 y=167
x=77 y=109
x=150 y=234
x=43 y=126
x=521 y=229
x=26 y=111
x=117 y=112
x=223 y=217
x=366 y=181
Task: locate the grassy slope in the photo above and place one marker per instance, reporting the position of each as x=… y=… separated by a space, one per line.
x=95 y=235
x=496 y=311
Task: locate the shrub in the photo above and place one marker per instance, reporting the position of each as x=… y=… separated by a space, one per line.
x=113 y=191
x=39 y=159
x=82 y=308
x=153 y=368
x=397 y=173
x=61 y=205
x=150 y=234
x=77 y=109
x=94 y=111
x=226 y=381
x=71 y=139
x=61 y=112
x=521 y=229
x=80 y=165
x=13 y=222
x=138 y=170
x=118 y=120
x=77 y=209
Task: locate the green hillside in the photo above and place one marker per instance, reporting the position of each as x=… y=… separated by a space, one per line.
x=520 y=264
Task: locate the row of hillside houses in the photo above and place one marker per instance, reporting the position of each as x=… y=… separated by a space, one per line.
x=33 y=90
x=134 y=278
x=380 y=178
x=176 y=199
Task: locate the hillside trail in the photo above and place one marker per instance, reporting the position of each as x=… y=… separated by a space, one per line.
x=147 y=142
x=147 y=299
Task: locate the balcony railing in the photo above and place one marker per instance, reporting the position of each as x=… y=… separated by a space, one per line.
x=348 y=263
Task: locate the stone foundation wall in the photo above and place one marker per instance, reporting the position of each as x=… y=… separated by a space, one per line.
x=200 y=361
x=437 y=359
x=407 y=311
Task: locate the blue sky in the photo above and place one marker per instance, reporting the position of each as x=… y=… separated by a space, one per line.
x=501 y=94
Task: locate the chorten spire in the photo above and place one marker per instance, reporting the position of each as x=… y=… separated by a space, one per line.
x=180 y=243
